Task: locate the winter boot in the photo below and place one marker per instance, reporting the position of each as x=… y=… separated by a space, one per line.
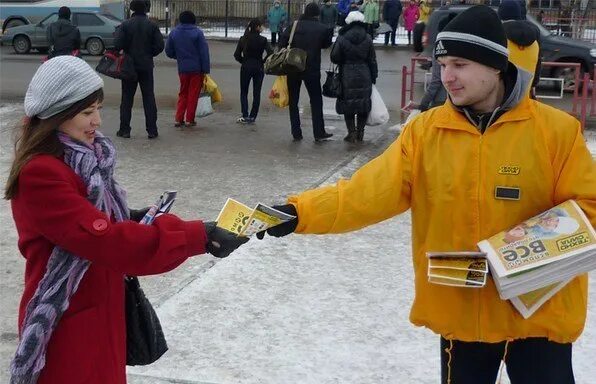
x=360 y=134
x=351 y=137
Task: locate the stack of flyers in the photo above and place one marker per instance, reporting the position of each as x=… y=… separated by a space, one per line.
x=245 y=221
x=161 y=206
x=458 y=269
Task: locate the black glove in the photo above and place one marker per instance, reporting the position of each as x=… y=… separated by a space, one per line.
x=220 y=243
x=138 y=214
x=285 y=228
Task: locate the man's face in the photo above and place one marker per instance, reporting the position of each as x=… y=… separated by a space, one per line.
x=468 y=83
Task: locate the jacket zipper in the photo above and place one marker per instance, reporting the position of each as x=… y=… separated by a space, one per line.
x=478 y=188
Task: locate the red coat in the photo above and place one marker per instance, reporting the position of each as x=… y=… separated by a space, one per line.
x=51 y=208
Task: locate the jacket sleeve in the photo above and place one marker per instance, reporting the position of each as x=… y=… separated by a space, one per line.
x=170 y=48
x=203 y=48
x=284 y=37
x=376 y=192
x=576 y=178
x=327 y=37
x=77 y=42
x=67 y=219
x=158 y=43
x=372 y=64
x=49 y=36
x=433 y=87
x=238 y=51
x=121 y=38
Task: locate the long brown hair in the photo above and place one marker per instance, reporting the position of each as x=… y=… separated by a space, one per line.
x=38 y=137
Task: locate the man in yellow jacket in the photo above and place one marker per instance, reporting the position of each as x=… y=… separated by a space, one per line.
x=452 y=167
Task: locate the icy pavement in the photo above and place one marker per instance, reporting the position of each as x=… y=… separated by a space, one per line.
x=311 y=309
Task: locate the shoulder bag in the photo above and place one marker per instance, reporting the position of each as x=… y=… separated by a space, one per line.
x=286 y=60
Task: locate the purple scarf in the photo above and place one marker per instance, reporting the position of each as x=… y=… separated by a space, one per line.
x=95 y=165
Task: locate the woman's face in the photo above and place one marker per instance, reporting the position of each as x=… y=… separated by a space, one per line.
x=82 y=127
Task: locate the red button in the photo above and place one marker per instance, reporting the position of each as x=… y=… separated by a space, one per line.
x=100 y=225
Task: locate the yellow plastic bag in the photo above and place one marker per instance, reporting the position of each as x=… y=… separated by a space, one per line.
x=279 y=92
x=210 y=87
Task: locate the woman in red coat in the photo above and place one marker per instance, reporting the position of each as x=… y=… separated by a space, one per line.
x=77 y=236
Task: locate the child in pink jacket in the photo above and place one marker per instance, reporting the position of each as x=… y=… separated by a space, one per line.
x=411 y=15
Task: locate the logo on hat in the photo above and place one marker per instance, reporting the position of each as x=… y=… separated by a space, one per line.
x=440 y=49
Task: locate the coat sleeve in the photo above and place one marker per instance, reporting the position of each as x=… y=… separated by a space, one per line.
x=372 y=64
x=67 y=219
x=336 y=55
x=120 y=40
x=158 y=43
x=77 y=42
x=376 y=192
x=170 y=48
x=433 y=88
x=284 y=37
x=576 y=177
x=238 y=51
x=203 y=48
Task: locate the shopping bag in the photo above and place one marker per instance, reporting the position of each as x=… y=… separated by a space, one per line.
x=210 y=87
x=204 y=107
x=378 y=112
x=117 y=66
x=332 y=85
x=286 y=60
x=279 y=92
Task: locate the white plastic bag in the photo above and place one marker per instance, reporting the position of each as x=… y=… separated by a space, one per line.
x=204 y=107
x=378 y=112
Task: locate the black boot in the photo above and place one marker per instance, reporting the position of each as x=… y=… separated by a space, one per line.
x=351 y=125
x=360 y=134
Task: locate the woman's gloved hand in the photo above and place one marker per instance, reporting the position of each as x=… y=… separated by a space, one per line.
x=285 y=228
x=137 y=214
x=220 y=243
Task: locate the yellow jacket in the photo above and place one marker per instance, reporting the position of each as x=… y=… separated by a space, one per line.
x=424 y=10
x=446 y=172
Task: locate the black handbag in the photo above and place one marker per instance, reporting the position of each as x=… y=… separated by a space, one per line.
x=332 y=84
x=145 y=341
x=286 y=60
x=117 y=66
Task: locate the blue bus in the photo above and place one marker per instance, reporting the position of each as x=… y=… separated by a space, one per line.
x=21 y=12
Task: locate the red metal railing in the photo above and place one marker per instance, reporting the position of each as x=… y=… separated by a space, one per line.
x=579 y=101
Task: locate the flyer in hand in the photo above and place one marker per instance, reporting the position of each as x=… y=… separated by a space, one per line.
x=459 y=269
x=161 y=206
x=245 y=221
x=535 y=259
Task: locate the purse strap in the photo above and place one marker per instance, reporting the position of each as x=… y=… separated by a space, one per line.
x=292 y=33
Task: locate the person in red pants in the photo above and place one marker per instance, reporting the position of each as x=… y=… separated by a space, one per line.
x=187 y=45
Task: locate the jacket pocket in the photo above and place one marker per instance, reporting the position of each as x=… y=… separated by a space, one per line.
x=73 y=349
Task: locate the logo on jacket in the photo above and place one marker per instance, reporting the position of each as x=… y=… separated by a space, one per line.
x=440 y=49
x=509 y=170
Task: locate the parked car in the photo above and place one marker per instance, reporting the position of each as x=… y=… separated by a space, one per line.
x=553 y=48
x=97 y=33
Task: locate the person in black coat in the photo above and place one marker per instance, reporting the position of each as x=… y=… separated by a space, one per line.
x=63 y=37
x=355 y=54
x=249 y=52
x=311 y=35
x=391 y=12
x=141 y=39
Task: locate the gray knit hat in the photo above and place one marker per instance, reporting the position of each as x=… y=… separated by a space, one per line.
x=59 y=83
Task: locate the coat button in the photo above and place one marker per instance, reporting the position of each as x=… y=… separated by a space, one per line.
x=100 y=225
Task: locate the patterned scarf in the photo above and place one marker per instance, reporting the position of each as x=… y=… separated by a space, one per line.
x=95 y=165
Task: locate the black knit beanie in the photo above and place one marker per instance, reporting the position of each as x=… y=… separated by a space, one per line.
x=64 y=13
x=510 y=10
x=475 y=34
x=312 y=10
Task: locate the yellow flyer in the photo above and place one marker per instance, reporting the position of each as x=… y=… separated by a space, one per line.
x=234 y=216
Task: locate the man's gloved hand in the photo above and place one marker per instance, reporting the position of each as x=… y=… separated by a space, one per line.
x=285 y=228
x=137 y=214
x=220 y=243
